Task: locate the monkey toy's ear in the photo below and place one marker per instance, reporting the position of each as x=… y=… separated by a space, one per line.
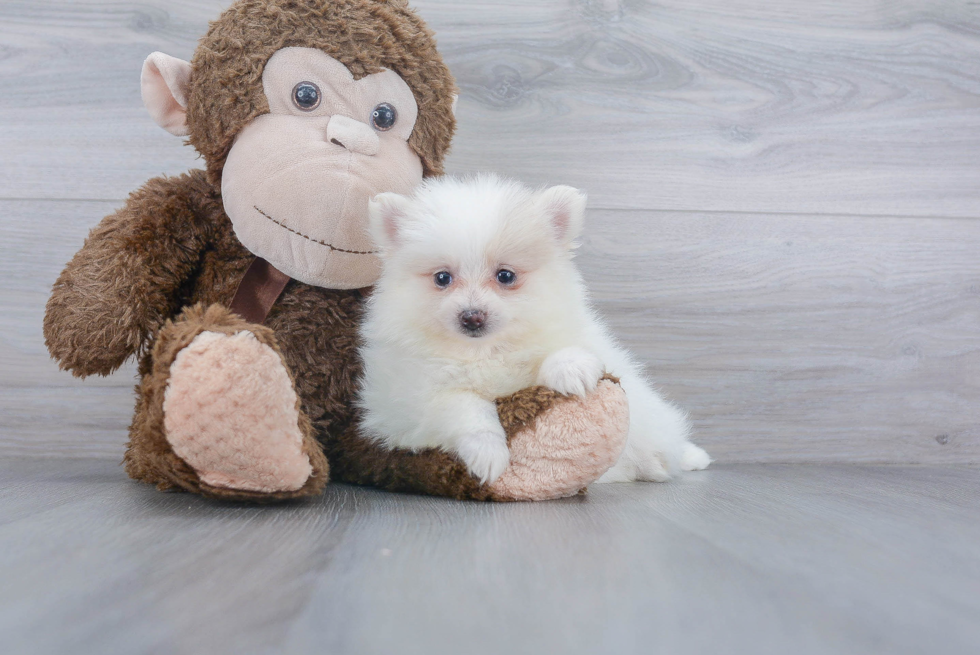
x=163 y=85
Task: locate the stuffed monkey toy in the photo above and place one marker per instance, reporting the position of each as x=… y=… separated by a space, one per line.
x=240 y=287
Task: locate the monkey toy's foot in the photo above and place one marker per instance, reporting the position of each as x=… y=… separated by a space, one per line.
x=559 y=444
x=230 y=412
x=231 y=426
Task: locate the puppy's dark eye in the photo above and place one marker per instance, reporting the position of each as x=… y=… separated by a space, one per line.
x=443 y=279
x=506 y=277
x=383 y=117
x=306 y=96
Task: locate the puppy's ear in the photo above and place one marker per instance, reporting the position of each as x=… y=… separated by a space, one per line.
x=564 y=208
x=386 y=218
x=163 y=84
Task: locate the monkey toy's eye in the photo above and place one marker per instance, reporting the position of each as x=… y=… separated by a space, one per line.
x=383 y=117
x=506 y=277
x=443 y=279
x=306 y=96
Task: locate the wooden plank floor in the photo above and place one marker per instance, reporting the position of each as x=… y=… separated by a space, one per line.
x=739 y=559
x=830 y=106
x=783 y=225
x=813 y=339
x=783 y=199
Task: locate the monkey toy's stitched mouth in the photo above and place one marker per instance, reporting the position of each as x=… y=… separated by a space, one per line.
x=309 y=238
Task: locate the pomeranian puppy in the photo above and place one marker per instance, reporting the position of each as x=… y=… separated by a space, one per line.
x=479 y=298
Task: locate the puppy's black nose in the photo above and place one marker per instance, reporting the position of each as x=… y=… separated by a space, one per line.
x=472 y=319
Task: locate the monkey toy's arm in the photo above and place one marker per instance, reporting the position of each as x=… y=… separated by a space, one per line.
x=558 y=445
x=124 y=283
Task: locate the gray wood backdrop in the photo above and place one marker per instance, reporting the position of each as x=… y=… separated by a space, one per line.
x=784 y=199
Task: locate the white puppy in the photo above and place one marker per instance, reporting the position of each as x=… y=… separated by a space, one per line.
x=479 y=298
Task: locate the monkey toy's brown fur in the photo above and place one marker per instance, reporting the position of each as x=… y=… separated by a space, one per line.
x=165 y=267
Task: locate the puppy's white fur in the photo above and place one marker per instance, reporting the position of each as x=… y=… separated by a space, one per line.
x=431 y=382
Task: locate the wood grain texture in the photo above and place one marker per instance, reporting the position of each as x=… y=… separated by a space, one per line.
x=789 y=337
x=44 y=411
x=800 y=107
x=72 y=123
x=804 y=338
x=741 y=559
x=856 y=107
x=782 y=200
x=820 y=338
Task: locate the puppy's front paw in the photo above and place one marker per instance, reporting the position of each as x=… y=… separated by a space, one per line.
x=485 y=454
x=571 y=371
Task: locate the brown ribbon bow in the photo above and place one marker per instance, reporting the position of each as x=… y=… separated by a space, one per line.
x=258 y=291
